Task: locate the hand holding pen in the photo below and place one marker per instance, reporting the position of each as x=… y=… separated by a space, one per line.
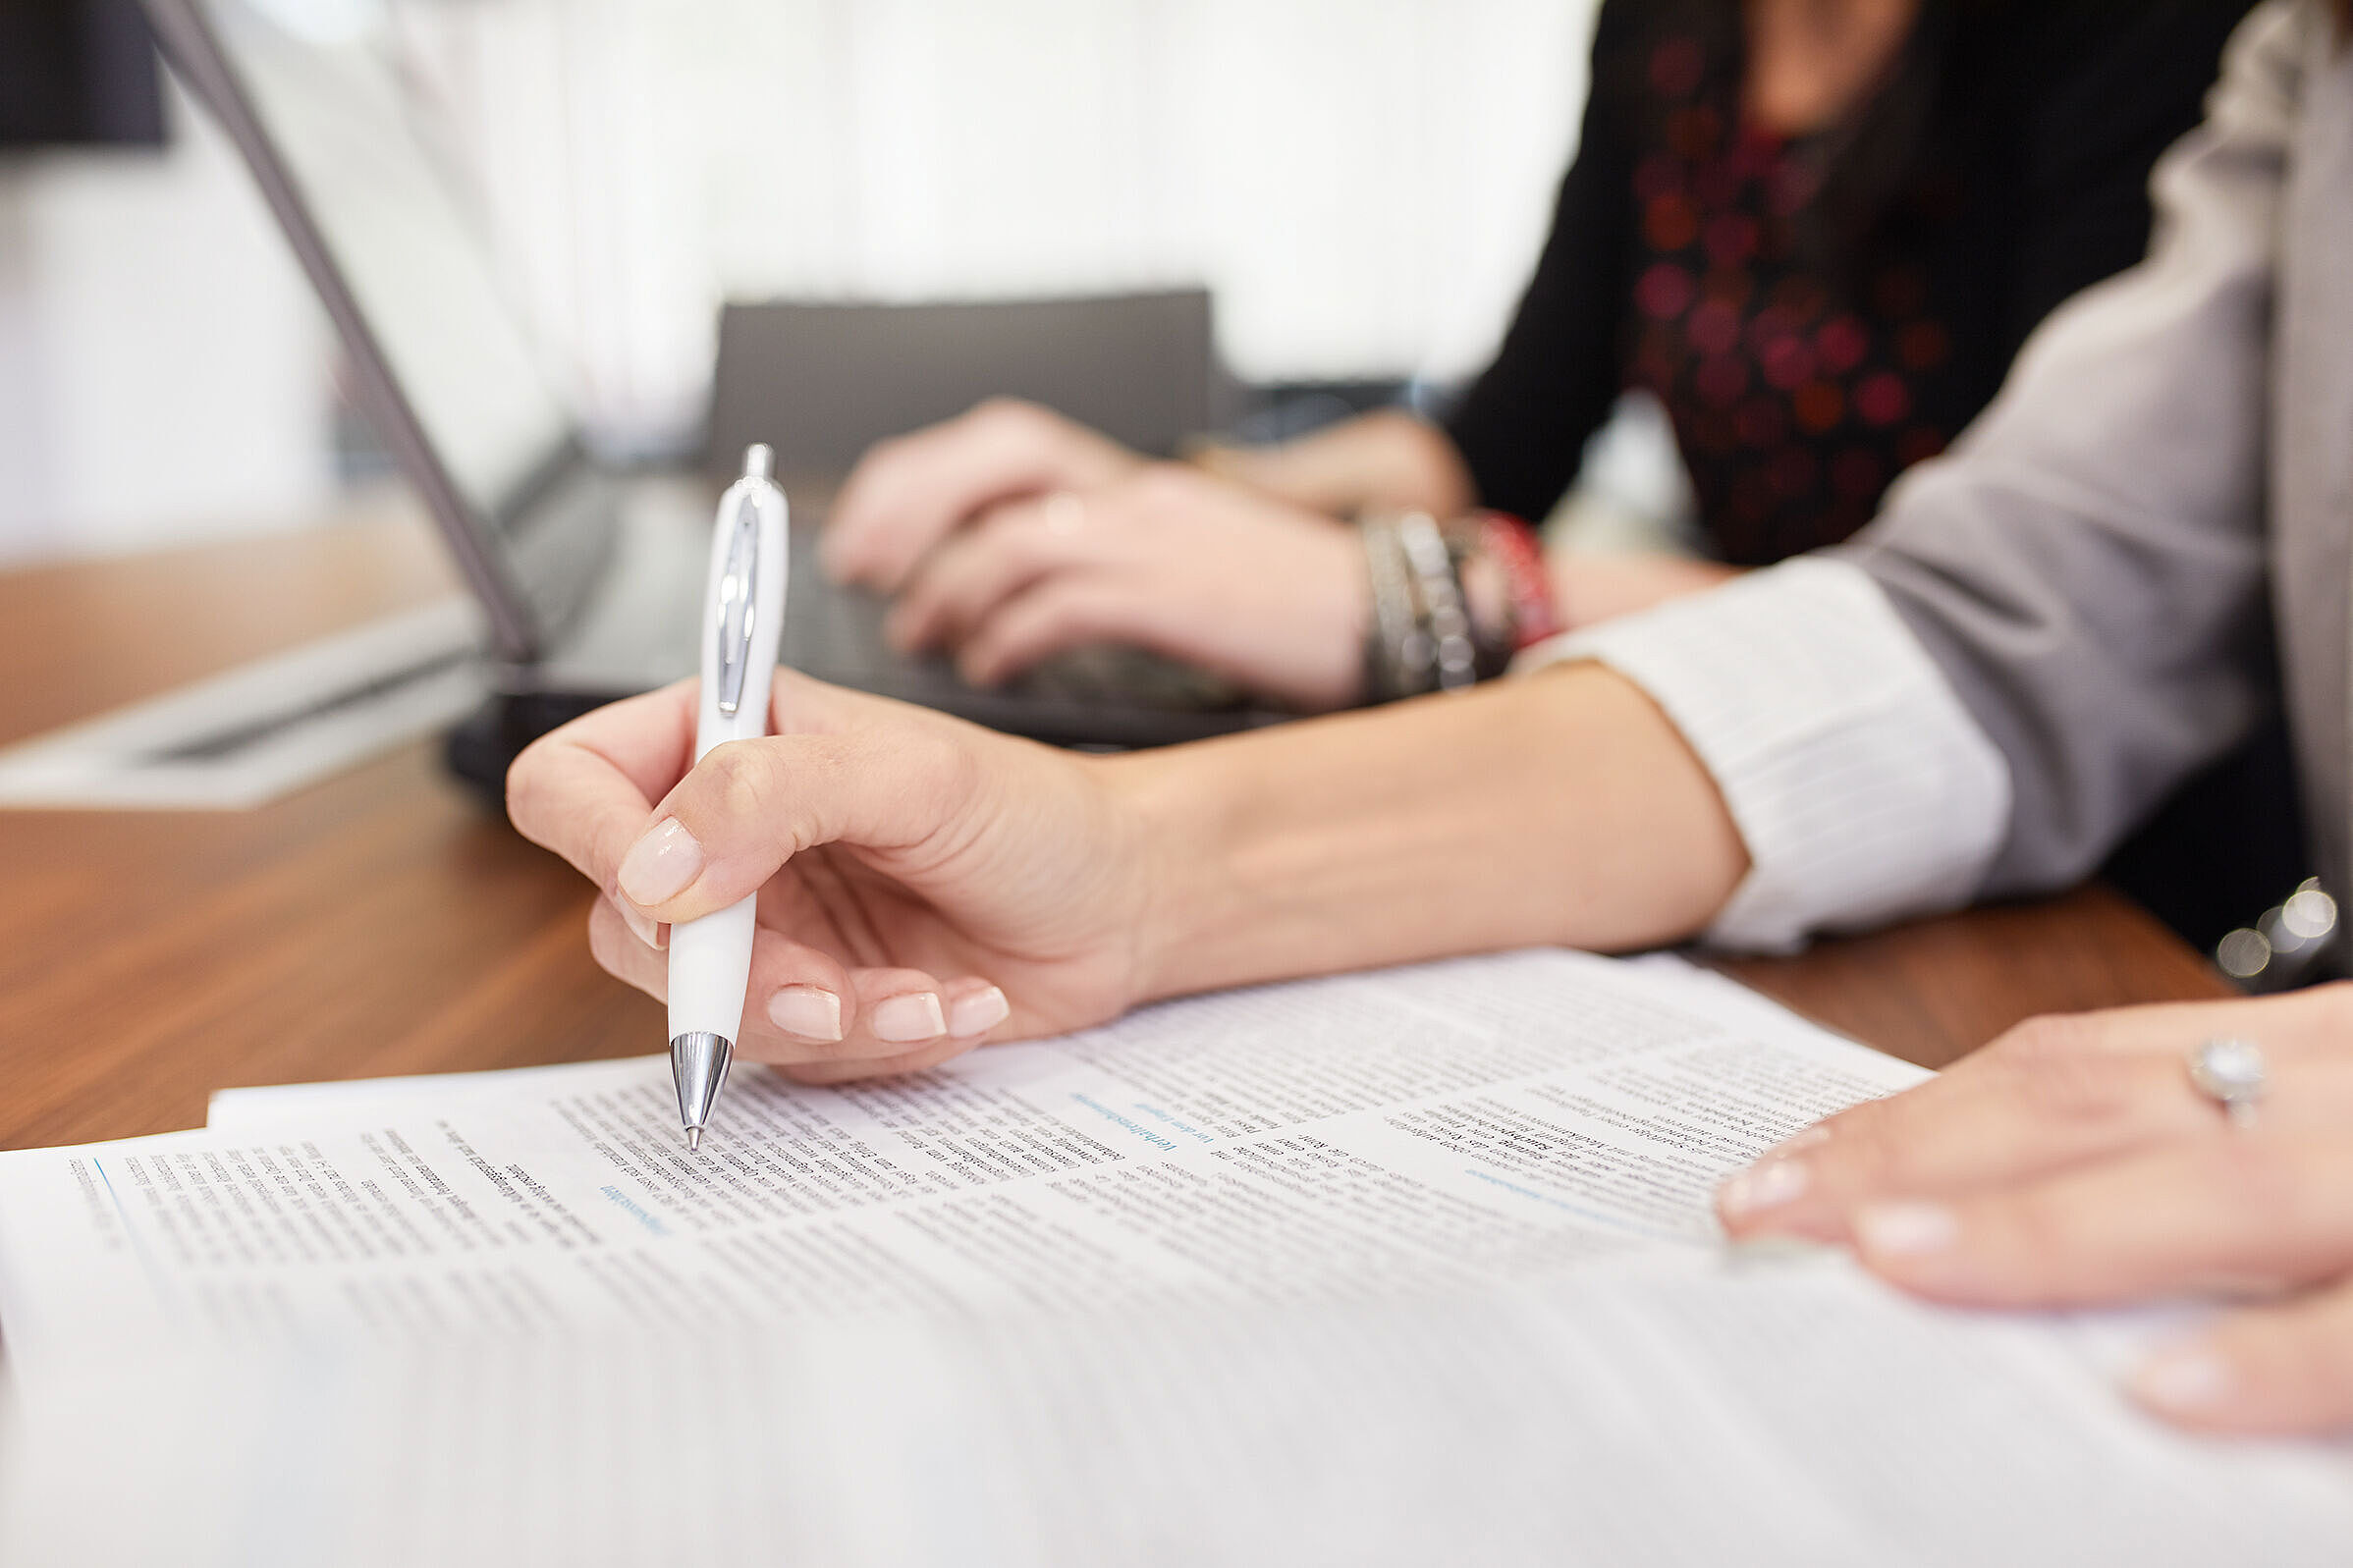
x=923 y=885
x=744 y=621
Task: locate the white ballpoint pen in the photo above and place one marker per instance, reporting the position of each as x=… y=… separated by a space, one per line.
x=710 y=959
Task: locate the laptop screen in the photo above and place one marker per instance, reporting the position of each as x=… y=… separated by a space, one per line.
x=390 y=198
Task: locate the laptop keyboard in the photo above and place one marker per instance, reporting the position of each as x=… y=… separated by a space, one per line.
x=1129 y=676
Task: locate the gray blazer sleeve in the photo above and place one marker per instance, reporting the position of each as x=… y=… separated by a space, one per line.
x=2087 y=565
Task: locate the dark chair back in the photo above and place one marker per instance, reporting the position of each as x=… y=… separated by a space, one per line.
x=822 y=382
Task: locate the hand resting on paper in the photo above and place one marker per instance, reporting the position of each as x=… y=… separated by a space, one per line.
x=2073 y=1162
x=924 y=885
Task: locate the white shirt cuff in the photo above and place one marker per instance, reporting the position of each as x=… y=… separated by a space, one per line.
x=1863 y=788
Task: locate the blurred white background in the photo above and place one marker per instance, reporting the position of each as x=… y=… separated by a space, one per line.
x=1364 y=183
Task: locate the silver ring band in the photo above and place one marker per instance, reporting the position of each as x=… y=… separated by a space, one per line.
x=2234 y=1074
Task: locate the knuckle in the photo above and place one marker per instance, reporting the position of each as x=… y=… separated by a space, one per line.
x=1163 y=487
x=2055 y=1067
x=2040 y=1041
x=879 y=458
x=1019 y=543
x=2255 y=1178
x=1860 y=1157
x=2332 y=1007
x=736 y=784
x=2039 y=1237
x=932 y=769
x=947 y=762
x=1015 y=417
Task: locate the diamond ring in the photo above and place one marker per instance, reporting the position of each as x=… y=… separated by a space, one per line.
x=2232 y=1074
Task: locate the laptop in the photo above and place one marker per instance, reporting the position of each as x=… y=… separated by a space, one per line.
x=588 y=573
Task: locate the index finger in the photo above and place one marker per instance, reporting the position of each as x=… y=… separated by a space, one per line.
x=908 y=493
x=586 y=790
x=968 y=576
x=2050 y=1095
x=2226 y=1213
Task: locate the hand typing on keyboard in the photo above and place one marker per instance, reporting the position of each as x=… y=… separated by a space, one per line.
x=1018 y=542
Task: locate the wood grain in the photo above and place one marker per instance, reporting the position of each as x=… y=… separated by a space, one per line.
x=1935 y=990
x=380 y=923
x=88 y=635
x=383 y=922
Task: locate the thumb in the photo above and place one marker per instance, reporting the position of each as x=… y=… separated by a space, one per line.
x=752 y=805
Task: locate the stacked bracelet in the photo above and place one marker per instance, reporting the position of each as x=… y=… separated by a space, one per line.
x=1515 y=553
x=1439 y=591
x=1451 y=606
x=1397 y=647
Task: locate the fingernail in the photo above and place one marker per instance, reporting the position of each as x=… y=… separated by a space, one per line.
x=1906 y=1230
x=2184 y=1377
x=978 y=1013
x=638 y=921
x=1817 y=1133
x=660 y=865
x=1764 y=1186
x=810 y=1011
x=903 y=1020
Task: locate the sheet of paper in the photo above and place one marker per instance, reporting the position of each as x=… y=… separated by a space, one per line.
x=262 y=1104
x=1693 y=989
x=1405 y=1266
x=1666 y=1413
x=1415 y=1129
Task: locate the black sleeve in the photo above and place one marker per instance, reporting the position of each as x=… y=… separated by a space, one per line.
x=2107 y=88
x=1522 y=426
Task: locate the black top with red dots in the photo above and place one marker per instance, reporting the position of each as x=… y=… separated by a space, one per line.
x=1804 y=356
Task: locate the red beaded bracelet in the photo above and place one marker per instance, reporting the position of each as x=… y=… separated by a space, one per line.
x=1515 y=548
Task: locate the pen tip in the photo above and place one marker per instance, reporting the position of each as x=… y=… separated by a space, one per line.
x=693 y=1140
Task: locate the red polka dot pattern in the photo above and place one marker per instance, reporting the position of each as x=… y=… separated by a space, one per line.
x=1883 y=398
x=1664 y=291
x=1797 y=391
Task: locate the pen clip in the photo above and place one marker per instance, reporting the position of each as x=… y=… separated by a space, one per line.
x=737 y=608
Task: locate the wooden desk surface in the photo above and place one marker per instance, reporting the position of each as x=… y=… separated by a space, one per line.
x=384 y=922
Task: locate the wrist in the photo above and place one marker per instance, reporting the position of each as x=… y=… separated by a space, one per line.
x=1563 y=809
x=1388 y=457
x=1163 y=801
x=1339 y=624
x=1593 y=588
x=1450 y=605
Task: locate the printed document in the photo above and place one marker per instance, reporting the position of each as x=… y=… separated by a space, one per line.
x=1414 y=1266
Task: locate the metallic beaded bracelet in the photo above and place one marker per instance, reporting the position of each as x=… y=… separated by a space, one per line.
x=1398 y=654
x=1445 y=620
